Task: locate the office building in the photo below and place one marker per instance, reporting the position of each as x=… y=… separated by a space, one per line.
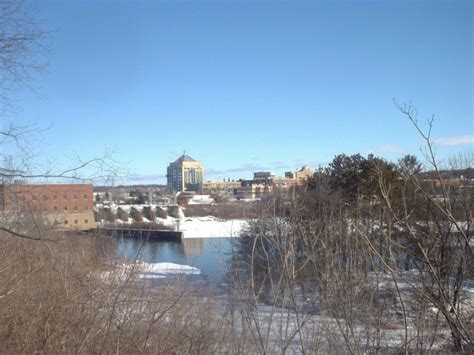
x=185 y=174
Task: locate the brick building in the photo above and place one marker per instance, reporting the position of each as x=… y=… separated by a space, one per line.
x=68 y=206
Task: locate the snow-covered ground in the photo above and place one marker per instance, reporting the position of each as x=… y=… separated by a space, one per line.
x=209 y=227
x=205 y=227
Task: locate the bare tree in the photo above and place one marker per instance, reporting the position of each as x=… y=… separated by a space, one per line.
x=22 y=46
x=22 y=53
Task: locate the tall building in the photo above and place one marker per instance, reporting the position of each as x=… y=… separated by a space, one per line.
x=185 y=174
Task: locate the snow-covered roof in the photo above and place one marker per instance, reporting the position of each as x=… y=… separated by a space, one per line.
x=201 y=200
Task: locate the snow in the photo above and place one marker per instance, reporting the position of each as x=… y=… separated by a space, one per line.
x=205 y=227
x=168 y=222
x=196 y=227
x=211 y=227
x=149 y=270
x=169 y=268
x=201 y=200
x=163 y=270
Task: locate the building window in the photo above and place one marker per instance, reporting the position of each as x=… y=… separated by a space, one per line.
x=65 y=197
x=45 y=209
x=76 y=221
x=86 y=221
x=85 y=196
x=34 y=197
x=65 y=208
x=74 y=197
x=75 y=208
x=65 y=221
x=86 y=207
x=55 y=197
x=55 y=208
x=45 y=197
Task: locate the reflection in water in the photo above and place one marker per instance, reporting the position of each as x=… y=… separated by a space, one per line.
x=210 y=254
x=193 y=247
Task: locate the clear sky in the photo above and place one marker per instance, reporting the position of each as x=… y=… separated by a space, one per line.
x=250 y=85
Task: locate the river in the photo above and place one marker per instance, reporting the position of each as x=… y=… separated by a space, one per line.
x=209 y=255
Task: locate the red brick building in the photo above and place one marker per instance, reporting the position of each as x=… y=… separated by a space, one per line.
x=69 y=206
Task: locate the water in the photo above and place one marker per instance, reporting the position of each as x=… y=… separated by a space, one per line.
x=210 y=255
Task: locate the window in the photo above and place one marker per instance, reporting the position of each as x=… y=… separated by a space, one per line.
x=76 y=221
x=45 y=197
x=65 y=208
x=65 y=197
x=74 y=197
x=86 y=221
x=85 y=196
x=34 y=197
x=45 y=209
x=75 y=208
x=55 y=197
x=86 y=207
x=65 y=221
x=55 y=208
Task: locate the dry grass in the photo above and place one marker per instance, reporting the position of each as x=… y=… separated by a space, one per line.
x=54 y=298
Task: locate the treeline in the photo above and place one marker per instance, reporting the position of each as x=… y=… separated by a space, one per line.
x=465 y=174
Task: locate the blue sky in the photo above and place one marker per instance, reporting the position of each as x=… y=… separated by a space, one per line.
x=249 y=85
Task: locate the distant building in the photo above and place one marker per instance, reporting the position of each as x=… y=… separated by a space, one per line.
x=66 y=206
x=264 y=183
x=263 y=175
x=222 y=188
x=252 y=189
x=302 y=174
x=185 y=174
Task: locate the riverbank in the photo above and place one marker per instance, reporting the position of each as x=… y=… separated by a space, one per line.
x=206 y=227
